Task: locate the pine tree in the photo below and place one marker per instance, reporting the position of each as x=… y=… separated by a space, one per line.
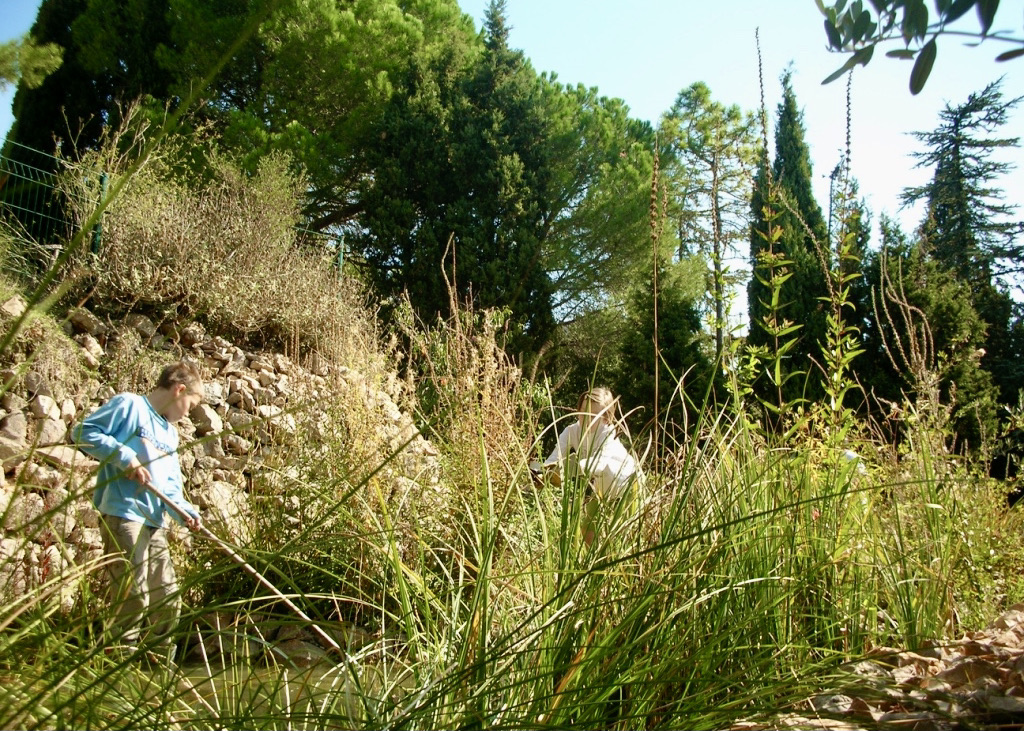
x=460 y=188
x=967 y=229
x=110 y=58
x=709 y=180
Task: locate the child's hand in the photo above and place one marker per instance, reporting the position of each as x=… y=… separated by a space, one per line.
x=137 y=472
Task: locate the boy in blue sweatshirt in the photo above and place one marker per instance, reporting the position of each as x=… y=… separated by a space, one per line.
x=135 y=439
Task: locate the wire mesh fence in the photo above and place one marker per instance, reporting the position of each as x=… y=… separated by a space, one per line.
x=35 y=209
x=31 y=203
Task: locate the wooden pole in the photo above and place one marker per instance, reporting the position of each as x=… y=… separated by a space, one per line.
x=249 y=569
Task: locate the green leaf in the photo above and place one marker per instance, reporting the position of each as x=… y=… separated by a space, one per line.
x=923 y=66
x=834 y=41
x=835 y=75
x=863 y=55
x=879 y=5
x=850 y=63
x=987 y=13
x=862 y=25
x=1007 y=55
x=904 y=53
x=957 y=10
x=915 y=20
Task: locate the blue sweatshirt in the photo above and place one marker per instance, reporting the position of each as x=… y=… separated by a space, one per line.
x=128 y=426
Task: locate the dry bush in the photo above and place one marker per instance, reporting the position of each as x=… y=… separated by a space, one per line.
x=222 y=252
x=476 y=403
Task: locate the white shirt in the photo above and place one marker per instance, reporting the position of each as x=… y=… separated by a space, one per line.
x=601 y=456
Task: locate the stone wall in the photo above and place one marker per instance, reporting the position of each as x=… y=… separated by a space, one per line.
x=253 y=402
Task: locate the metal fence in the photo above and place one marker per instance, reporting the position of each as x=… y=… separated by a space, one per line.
x=35 y=209
x=31 y=203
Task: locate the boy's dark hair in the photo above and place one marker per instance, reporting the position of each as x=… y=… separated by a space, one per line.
x=183 y=371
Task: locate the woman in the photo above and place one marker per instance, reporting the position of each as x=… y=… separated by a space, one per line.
x=590 y=445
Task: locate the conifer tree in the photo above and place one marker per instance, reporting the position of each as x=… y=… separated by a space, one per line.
x=709 y=177
x=460 y=187
x=686 y=352
x=968 y=229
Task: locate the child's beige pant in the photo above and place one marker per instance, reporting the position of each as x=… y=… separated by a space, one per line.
x=143 y=587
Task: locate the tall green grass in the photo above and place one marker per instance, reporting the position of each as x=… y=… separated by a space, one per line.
x=748 y=577
x=747 y=580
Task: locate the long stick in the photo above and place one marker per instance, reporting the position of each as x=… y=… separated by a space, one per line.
x=248 y=568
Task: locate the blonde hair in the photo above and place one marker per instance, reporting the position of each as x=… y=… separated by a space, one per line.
x=603 y=403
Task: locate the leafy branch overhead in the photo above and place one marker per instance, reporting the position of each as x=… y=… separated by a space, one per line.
x=853 y=29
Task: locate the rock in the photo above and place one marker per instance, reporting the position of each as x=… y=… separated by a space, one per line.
x=44 y=407
x=37 y=384
x=51 y=431
x=12 y=401
x=264 y=395
x=142 y=325
x=24 y=512
x=224 y=504
x=235 y=364
x=232 y=464
x=268 y=412
x=213 y=448
x=90 y=345
x=62 y=519
x=87 y=538
x=13 y=576
x=206 y=420
x=282 y=364
x=302 y=654
x=86 y=322
x=241 y=421
x=318 y=365
x=235 y=444
x=12 y=452
x=14 y=307
x=41 y=475
x=243 y=400
x=349 y=636
x=206 y=464
x=88 y=518
x=68 y=410
x=192 y=334
x=65 y=457
x=15 y=427
x=213 y=393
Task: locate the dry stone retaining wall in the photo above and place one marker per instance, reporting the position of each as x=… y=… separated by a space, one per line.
x=253 y=401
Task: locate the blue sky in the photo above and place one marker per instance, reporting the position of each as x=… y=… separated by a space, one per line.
x=646 y=51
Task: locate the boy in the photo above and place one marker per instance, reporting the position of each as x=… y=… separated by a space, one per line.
x=135 y=439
